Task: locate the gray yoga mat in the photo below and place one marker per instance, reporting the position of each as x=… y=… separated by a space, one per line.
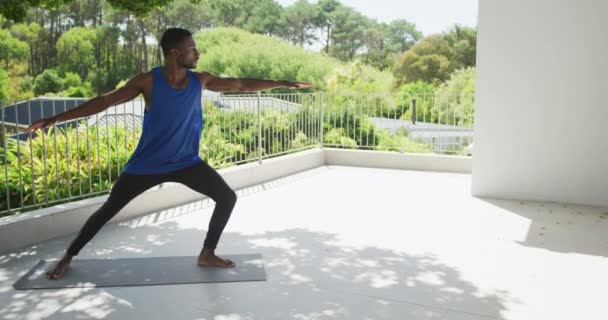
x=142 y=272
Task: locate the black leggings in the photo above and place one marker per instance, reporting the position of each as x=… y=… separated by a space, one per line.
x=200 y=177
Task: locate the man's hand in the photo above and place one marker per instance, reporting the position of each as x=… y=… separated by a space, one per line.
x=42 y=123
x=297 y=85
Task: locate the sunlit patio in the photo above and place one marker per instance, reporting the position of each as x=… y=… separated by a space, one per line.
x=343 y=242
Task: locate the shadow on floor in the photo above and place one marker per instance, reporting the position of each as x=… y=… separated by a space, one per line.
x=310 y=276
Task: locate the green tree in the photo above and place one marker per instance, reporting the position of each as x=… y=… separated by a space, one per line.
x=237 y=53
x=12 y=50
x=20 y=88
x=114 y=61
x=401 y=35
x=16 y=10
x=348 y=34
x=326 y=18
x=47 y=82
x=73 y=86
x=77 y=92
x=230 y=12
x=187 y=14
x=298 y=22
x=375 y=45
x=428 y=61
x=139 y=7
x=3 y=87
x=34 y=35
x=71 y=79
x=76 y=50
x=455 y=98
x=357 y=78
x=463 y=41
x=435 y=57
x=264 y=17
x=85 y=12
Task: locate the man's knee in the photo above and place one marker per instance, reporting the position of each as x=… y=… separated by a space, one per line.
x=231 y=196
x=228 y=197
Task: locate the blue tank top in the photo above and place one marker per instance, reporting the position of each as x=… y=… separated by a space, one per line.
x=171 y=129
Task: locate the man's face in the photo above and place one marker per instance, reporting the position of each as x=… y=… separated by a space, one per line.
x=187 y=54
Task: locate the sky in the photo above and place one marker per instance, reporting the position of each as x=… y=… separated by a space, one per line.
x=430 y=16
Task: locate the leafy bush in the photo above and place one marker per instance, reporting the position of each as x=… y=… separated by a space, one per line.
x=48 y=81
x=234 y=52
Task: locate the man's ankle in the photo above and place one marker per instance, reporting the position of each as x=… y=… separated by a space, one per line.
x=208 y=251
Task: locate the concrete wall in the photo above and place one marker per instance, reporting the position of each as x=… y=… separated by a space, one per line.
x=395 y=160
x=541 y=110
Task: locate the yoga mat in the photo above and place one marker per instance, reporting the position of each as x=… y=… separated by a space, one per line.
x=120 y=272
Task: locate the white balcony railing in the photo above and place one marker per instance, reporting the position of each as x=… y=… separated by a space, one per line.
x=82 y=158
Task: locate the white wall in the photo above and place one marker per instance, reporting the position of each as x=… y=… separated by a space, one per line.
x=541 y=110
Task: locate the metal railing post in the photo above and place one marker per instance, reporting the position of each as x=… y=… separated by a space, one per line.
x=259 y=129
x=414 y=111
x=8 y=197
x=321 y=126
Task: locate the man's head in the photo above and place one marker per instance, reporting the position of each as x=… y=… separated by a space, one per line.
x=177 y=44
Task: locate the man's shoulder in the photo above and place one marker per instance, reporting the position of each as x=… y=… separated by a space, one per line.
x=145 y=76
x=205 y=76
x=142 y=80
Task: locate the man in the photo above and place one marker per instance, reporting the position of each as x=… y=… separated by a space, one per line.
x=169 y=144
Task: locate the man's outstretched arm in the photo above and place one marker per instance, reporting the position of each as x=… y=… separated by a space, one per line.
x=214 y=83
x=95 y=105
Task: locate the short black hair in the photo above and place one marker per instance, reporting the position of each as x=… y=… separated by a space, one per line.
x=172 y=37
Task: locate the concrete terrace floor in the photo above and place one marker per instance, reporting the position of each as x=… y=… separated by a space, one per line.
x=350 y=243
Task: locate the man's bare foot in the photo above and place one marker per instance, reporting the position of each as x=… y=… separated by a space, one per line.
x=208 y=258
x=59 y=268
